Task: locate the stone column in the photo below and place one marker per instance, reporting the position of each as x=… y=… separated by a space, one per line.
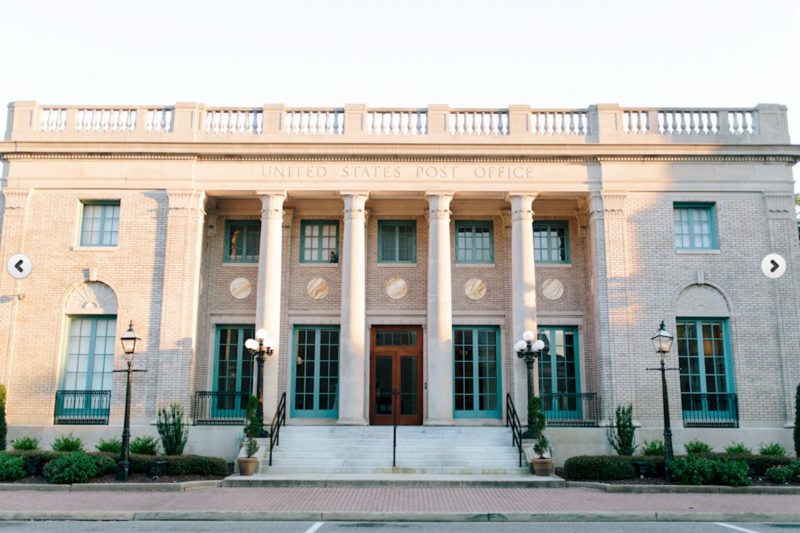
x=268 y=306
x=523 y=293
x=353 y=353
x=440 y=312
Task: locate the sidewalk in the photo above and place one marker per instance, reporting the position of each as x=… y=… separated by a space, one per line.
x=396 y=504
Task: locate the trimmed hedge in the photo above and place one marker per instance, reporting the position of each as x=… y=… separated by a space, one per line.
x=761 y=463
x=599 y=467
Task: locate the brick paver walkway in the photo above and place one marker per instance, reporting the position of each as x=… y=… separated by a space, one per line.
x=381 y=499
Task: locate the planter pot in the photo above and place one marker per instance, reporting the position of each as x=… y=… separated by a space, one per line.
x=541 y=467
x=247 y=465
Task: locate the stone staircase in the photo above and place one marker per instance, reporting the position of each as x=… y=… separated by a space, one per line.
x=368 y=450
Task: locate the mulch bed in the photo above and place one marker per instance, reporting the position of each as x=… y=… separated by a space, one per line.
x=757 y=481
x=133 y=478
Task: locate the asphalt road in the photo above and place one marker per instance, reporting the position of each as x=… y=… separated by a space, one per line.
x=395 y=527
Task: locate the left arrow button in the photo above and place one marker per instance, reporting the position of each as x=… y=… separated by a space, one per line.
x=19 y=266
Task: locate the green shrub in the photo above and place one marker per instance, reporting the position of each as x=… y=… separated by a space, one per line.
x=655 y=464
x=761 y=463
x=693 y=470
x=621 y=434
x=695 y=446
x=780 y=474
x=70 y=468
x=11 y=467
x=653 y=448
x=536 y=417
x=113 y=445
x=34 y=459
x=733 y=473
x=26 y=443
x=147 y=445
x=174 y=433
x=105 y=464
x=737 y=447
x=599 y=468
x=251 y=447
x=3 y=424
x=68 y=443
x=189 y=465
x=541 y=446
x=253 y=428
x=772 y=449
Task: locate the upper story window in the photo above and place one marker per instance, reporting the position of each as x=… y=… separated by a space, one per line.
x=694 y=226
x=100 y=225
x=551 y=241
x=397 y=241
x=474 y=241
x=242 y=239
x=319 y=241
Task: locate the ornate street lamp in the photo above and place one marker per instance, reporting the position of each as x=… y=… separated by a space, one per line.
x=529 y=350
x=129 y=341
x=662 y=342
x=260 y=346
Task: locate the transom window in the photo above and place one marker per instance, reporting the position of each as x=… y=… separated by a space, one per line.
x=397 y=241
x=551 y=241
x=242 y=239
x=474 y=242
x=694 y=226
x=319 y=241
x=100 y=225
x=90 y=354
x=396 y=338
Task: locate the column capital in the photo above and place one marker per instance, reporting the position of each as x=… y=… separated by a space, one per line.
x=17 y=201
x=272 y=204
x=607 y=205
x=439 y=205
x=521 y=205
x=354 y=202
x=187 y=202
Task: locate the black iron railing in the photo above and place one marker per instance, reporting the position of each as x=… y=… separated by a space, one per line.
x=212 y=408
x=516 y=428
x=278 y=421
x=571 y=410
x=82 y=407
x=710 y=410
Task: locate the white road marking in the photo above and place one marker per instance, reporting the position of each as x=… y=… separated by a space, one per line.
x=735 y=527
x=318 y=525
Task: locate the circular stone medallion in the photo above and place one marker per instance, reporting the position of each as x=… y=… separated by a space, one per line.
x=317 y=289
x=241 y=288
x=475 y=289
x=396 y=288
x=552 y=289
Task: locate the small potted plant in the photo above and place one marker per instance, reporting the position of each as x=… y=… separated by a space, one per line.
x=542 y=465
x=247 y=463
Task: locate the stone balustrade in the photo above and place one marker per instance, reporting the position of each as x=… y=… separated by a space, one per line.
x=517 y=124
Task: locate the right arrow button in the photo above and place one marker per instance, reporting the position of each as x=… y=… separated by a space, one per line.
x=773 y=266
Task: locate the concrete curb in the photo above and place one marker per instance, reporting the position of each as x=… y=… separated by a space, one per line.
x=680 y=489
x=114 y=487
x=361 y=516
x=398 y=483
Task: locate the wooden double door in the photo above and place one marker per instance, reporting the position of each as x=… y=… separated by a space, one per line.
x=395 y=375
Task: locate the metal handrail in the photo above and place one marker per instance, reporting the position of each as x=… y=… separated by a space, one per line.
x=512 y=419
x=275 y=428
x=220 y=408
x=395 y=407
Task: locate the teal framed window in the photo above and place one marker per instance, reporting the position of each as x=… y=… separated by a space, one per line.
x=476 y=358
x=397 y=241
x=319 y=241
x=315 y=372
x=233 y=371
x=551 y=241
x=474 y=241
x=694 y=226
x=705 y=368
x=559 y=373
x=100 y=223
x=242 y=241
x=90 y=353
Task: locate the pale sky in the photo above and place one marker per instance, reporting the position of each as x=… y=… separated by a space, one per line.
x=566 y=54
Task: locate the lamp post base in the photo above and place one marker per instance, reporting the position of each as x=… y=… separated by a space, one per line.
x=123 y=471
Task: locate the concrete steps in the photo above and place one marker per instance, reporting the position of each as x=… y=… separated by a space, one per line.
x=368 y=450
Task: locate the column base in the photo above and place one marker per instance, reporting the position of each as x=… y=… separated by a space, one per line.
x=439 y=422
x=352 y=422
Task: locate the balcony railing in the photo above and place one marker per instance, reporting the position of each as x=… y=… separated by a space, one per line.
x=83 y=407
x=710 y=410
x=571 y=410
x=213 y=408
